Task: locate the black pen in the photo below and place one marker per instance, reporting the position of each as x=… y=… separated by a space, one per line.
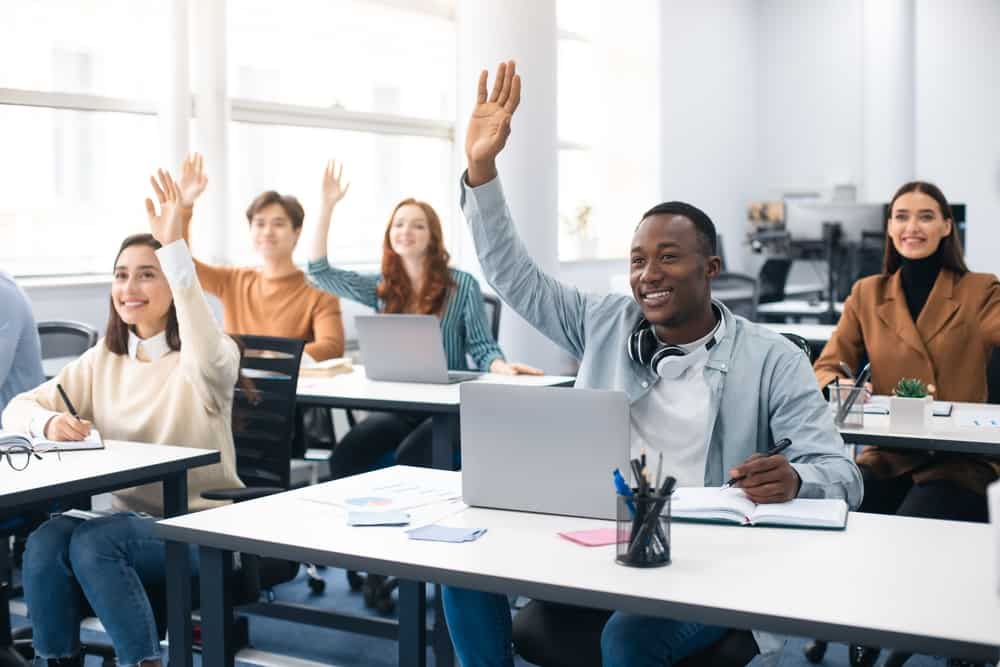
x=778 y=447
x=66 y=400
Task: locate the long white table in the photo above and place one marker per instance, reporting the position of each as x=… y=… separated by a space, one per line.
x=119 y=465
x=441 y=401
x=913 y=584
x=816 y=334
x=797 y=309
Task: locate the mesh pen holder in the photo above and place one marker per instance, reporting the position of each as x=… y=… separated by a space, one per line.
x=643 y=531
x=847 y=403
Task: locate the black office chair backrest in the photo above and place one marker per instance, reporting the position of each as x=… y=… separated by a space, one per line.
x=65 y=338
x=264 y=418
x=773 y=277
x=492 y=305
x=738 y=291
x=800 y=343
x=993 y=377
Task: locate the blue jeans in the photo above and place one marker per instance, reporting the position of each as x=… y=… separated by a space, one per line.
x=108 y=560
x=480 y=628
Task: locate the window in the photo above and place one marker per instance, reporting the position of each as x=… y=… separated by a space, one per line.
x=382 y=170
x=608 y=111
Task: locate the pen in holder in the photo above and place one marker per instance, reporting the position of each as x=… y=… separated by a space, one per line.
x=848 y=404
x=643 y=530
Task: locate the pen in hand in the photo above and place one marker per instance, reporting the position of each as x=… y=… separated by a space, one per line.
x=69 y=404
x=778 y=447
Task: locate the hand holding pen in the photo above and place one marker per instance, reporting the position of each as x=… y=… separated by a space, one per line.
x=66 y=427
x=767 y=477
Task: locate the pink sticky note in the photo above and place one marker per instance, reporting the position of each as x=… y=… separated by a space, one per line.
x=595 y=537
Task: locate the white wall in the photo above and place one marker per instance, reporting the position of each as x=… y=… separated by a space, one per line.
x=958 y=114
x=810 y=87
x=708 y=98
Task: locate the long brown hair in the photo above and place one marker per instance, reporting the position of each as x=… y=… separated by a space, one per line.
x=116 y=335
x=951 y=251
x=395 y=290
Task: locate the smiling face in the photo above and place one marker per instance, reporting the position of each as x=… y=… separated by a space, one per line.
x=272 y=233
x=139 y=291
x=409 y=232
x=670 y=271
x=917 y=226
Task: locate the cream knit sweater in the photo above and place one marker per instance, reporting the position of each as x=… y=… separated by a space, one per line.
x=184 y=398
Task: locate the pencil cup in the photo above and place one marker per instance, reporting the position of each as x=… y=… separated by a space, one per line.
x=848 y=405
x=643 y=531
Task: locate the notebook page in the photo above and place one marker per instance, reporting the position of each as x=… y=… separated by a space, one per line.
x=819 y=512
x=711 y=502
x=92 y=441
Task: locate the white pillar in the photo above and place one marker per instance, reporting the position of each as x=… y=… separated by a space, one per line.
x=525 y=30
x=889 y=133
x=211 y=108
x=175 y=105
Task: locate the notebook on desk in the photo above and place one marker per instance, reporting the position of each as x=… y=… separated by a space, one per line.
x=714 y=505
x=10 y=439
x=879 y=405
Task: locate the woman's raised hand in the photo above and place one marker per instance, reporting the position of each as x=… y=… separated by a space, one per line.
x=165 y=226
x=334 y=188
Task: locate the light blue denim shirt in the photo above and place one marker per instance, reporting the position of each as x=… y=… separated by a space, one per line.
x=762 y=386
x=20 y=349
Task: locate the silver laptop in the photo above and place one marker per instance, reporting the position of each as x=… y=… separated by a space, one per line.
x=405 y=348
x=543 y=449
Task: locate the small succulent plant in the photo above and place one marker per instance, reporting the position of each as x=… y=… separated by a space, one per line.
x=911 y=388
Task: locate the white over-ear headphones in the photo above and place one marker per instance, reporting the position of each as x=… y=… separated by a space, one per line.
x=668 y=361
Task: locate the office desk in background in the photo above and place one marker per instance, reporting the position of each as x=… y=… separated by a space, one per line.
x=798 y=309
x=118 y=466
x=355 y=391
x=946 y=434
x=828 y=584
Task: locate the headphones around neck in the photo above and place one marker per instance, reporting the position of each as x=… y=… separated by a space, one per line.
x=646 y=349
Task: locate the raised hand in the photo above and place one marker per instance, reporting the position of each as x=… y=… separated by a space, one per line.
x=165 y=226
x=193 y=179
x=334 y=188
x=489 y=125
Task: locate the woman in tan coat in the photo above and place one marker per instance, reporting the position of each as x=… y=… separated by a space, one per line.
x=925 y=316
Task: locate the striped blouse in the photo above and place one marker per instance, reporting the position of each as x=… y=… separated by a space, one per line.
x=463 y=324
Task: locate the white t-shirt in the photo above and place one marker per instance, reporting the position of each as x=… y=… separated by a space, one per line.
x=673 y=416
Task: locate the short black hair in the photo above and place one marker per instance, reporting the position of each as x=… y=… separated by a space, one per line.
x=703 y=224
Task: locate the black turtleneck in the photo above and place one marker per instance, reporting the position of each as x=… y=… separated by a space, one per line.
x=918 y=276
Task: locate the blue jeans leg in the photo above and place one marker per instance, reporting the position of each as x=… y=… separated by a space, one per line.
x=480 y=627
x=630 y=640
x=54 y=599
x=114 y=558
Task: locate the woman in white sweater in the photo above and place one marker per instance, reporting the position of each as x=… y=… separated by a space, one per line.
x=163 y=373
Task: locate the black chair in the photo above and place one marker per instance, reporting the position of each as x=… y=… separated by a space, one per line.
x=773 y=277
x=739 y=292
x=800 y=343
x=65 y=338
x=492 y=304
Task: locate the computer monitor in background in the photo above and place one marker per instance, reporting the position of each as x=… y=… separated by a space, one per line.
x=804 y=219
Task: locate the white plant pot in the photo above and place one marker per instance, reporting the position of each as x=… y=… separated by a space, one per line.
x=910 y=415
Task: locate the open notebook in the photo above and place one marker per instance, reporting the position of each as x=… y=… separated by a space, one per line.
x=10 y=438
x=716 y=505
x=879 y=405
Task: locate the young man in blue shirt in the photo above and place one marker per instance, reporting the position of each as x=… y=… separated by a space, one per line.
x=20 y=349
x=710 y=389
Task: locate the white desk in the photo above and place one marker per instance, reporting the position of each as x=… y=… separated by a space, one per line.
x=801 y=290
x=945 y=435
x=797 y=309
x=816 y=334
x=52 y=365
x=441 y=401
x=858 y=585
x=120 y=465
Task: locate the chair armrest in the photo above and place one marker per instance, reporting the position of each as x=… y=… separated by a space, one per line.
x=239 y=495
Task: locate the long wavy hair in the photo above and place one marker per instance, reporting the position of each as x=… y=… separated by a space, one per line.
x=950 y=249
x=395 y=290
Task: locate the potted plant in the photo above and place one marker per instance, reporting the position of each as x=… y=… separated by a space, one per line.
x=579 y=232
x=910 y=406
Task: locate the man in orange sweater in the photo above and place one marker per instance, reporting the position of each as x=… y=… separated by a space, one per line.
x=276 y=299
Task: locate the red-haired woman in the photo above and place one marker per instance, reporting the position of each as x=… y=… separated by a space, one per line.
x=415 y=279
